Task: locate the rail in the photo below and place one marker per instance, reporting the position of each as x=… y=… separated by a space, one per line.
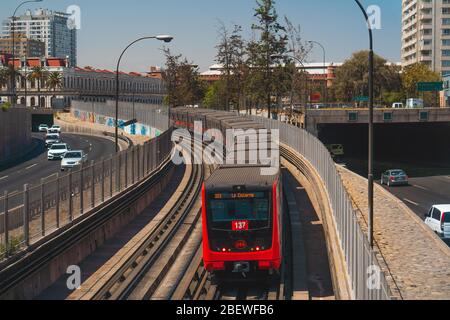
x=360 y=258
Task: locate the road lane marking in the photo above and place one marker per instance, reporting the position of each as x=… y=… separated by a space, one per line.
x=420 y=187
x=32 y=166
x=411 y=202
x=3 y=178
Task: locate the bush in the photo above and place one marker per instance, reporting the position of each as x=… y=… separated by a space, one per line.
x=15 y=244
x=6 y=106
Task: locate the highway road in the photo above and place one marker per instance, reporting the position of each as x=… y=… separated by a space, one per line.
x=424 y=192
x=33 y=170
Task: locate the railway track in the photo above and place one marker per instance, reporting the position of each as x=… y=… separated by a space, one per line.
x=145 y=269
x=197 y=284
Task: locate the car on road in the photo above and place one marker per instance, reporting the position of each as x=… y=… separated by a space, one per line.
x=72 y=159
x=394 y=178
x=336 y=150
x=57 y=151
x=56 y=128
x=43 y=128
x=53 y=131
x=51 y=139
x=438 y=219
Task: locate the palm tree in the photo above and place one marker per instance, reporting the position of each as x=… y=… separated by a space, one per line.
x=54 y=80
x=40 y=75
x=6 y=75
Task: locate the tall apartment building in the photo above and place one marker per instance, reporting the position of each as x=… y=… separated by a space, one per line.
x=49 y=27
x=426 y=34
x=24 y=47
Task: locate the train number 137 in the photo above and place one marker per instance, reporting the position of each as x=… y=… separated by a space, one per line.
x=240 y=225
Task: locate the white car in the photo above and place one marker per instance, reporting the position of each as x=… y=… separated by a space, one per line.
x=43 y=128
x=57 y=151
x=73 y=159
x=56 y=128
x=53 y=131
x=438 y=219
x=51 y=139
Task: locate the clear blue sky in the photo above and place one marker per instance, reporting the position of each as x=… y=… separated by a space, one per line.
x=109 y=25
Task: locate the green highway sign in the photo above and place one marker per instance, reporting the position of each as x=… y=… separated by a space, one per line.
x=361 y=99
x=430 y=86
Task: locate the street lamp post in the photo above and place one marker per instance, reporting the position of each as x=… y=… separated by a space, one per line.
x=13 y=31
x=371 y=125
x=165 y=38
x=324 y=68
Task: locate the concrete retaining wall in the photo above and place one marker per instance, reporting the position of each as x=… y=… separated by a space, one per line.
x=15 y=132
x=33 y=285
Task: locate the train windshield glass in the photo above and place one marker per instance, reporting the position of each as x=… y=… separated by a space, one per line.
x=225 y=207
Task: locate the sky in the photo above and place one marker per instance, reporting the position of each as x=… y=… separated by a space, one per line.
x=108 y=26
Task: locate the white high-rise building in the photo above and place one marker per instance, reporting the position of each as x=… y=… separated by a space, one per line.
x=49 y=27
x=426 y=34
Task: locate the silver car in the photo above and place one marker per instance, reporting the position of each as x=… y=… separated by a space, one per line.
x=394 y=178
x=73 y=159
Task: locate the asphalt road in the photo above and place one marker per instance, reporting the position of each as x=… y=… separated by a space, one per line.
x=422 y=193
x=33 y=170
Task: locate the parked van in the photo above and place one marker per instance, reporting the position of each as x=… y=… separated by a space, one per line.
x=414 y=103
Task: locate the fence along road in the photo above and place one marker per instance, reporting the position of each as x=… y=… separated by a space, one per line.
x=42 y=209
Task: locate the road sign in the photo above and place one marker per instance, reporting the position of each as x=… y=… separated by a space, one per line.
x=361 y=99
x=430 y=86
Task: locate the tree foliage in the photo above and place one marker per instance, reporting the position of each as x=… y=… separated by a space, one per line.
x=183 y=85
x=352 y=77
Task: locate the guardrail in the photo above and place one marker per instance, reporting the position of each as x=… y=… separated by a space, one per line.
x=38 y=211
x=360 y=258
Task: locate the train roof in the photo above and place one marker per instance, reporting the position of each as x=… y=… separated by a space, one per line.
x=227 y=177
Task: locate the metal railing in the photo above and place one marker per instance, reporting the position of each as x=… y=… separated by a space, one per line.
x=360 y=258
x=37 y=211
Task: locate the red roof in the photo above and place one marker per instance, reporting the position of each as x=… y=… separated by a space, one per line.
x=56 y=62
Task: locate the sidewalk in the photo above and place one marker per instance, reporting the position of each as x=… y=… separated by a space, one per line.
x=67 y=118
x=418 y=261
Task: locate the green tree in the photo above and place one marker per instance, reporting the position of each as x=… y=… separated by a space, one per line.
x=352 y=78
x=414 y=74
x=231 y=55
x=54 y=80
x=272 y=41
x=40 y=75
x=215 y=96
x=181 y=78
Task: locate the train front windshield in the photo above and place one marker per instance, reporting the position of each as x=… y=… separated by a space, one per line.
x=228 y=208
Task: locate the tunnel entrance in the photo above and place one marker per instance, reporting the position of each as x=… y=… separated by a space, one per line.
x=421 y=148
x=38 y=119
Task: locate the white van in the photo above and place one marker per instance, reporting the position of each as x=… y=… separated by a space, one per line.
x=397 y=105
x=414 y=104
x=438 y=219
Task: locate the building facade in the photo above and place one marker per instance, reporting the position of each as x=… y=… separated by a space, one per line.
x=24 y=47
x=426 y=34
x=88 y=83
x=49 y=27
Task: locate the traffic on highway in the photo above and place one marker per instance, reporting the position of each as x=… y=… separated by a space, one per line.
x=58 y=152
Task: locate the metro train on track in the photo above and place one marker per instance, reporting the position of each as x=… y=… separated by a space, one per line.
x=242 y=208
